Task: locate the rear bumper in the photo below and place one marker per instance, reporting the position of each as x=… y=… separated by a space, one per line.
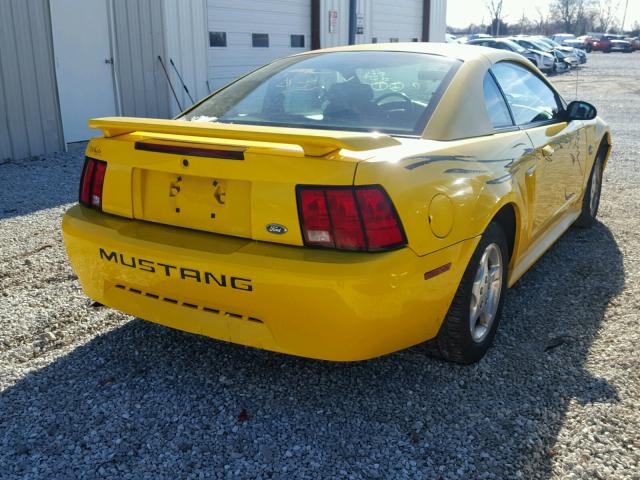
x=314 y=303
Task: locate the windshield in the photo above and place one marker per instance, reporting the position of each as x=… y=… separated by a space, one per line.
x=514 y=46
x=371 y=91
x=539 y=45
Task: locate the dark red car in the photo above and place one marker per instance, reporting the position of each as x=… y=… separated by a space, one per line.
x=607 y=44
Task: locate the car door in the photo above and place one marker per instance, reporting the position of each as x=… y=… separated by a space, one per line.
x=557 y=145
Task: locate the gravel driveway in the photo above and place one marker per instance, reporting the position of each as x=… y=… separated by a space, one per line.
x=89 y=393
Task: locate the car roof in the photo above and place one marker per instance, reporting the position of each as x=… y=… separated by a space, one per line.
x=459 y=51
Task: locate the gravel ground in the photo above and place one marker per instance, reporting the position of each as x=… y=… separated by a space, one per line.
x=88 y=392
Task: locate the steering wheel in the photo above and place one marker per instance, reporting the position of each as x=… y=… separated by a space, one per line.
x=402 y=95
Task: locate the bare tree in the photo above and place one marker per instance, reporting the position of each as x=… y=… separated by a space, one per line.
x=541 y=21
x=567 y=11
x=495 y=11
x=606 y=14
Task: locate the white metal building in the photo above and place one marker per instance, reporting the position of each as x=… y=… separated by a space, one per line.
x=65 y=61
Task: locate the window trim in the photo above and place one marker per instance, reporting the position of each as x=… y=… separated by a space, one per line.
x=559 y=100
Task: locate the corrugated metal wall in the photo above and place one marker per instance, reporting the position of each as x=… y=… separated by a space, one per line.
x=438 y=21
x=187 y=44
x=400 y=20
x=139 y=39
x=30 y=121
x=382 y=20
x=238 y=20
x=365 y=21
x=340 y=35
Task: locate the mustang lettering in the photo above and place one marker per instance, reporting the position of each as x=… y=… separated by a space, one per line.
x=174 y=271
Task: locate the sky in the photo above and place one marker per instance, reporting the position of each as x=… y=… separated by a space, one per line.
x=461 y=13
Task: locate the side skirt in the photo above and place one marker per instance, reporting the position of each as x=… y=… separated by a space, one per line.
x=536 y=250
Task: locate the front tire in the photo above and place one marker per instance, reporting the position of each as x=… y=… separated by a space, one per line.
x=471 y=322
x=591 y=199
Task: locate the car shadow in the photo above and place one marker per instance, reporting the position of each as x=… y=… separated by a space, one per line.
x=144 y=399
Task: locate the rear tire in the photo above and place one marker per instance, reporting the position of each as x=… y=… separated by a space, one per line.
x=463 y=338
x=591 y=199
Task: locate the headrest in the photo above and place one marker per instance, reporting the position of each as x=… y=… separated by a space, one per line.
x=352 y=91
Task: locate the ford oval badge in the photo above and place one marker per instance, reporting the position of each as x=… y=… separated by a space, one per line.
x=276 y=228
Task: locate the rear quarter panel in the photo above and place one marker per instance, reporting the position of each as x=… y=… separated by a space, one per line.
x=470 y=180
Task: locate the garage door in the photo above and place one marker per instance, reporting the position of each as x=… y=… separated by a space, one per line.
x=244 y=35
x=396 y=21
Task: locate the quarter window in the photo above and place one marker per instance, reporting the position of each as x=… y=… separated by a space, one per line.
x=496 y=106
x=531 y=99
x=260 y=39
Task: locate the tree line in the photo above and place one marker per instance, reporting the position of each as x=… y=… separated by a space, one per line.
x=563 y=16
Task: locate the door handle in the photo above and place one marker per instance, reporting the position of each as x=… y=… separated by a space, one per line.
x=531 y=170
x=548 y=150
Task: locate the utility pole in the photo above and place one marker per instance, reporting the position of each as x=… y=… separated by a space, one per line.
x=624 y=16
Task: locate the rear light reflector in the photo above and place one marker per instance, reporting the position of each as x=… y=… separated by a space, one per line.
x=379 y=218
x=312 y=204
x=345 y=220
x=85 y=182
x=92 y=183
x=349 y=218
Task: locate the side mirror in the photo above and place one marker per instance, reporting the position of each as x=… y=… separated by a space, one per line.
x=578 y=110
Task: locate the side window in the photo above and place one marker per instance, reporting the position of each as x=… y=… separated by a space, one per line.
x=531 y=99
x=496 y=106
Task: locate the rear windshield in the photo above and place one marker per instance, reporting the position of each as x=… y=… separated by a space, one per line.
x=388 y=92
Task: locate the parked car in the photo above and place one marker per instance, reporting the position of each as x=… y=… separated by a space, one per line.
x=620 y=44
x=449 y=38
x=580 y=54
x=340 y=204
x=562 y=62
x=473 y=36
x=635 y=42
x=607 y=43
x=543 y=60
x=568 y=40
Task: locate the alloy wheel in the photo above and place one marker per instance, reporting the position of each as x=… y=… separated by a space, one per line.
x=485 y=292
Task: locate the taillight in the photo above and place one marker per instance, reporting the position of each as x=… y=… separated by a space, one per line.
x=91 y=183
x=349 y=218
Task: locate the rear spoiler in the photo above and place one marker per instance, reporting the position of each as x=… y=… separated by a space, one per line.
x=315 y=143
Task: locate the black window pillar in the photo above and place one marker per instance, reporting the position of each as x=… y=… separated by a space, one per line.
x=353 y=6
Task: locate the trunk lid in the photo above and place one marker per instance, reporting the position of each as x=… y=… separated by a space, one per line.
x=235 y=180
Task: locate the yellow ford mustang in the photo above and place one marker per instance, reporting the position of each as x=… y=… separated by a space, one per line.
x=340 y=204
